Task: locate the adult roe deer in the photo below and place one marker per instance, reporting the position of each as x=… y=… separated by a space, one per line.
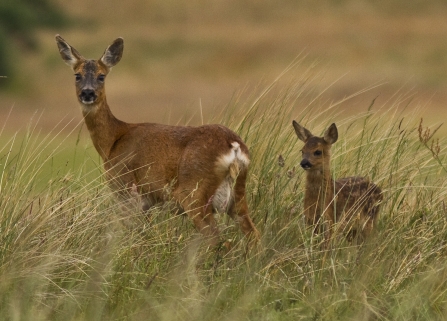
x=203 y=169
x=352 y=201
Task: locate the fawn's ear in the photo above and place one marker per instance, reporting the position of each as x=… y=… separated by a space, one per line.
x=69 y=54
x=331 y=134
x=302 y=133
x=112 y=55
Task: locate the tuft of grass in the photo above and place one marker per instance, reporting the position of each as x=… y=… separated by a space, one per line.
x=69 y=252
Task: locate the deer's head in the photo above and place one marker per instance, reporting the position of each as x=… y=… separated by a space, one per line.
x=316 y=150
x=90 y=74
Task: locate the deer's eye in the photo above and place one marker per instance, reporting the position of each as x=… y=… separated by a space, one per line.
x=78 y=77
x=101 y=78
x=318 y=153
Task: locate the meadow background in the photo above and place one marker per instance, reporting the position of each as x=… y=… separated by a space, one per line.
x=376 y=68
x=182 y=57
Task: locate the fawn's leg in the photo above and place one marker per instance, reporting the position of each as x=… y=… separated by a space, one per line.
x=366 y=228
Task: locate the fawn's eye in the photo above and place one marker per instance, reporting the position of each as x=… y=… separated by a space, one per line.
x=318 y=153
x=78 y=77
x=101 y=78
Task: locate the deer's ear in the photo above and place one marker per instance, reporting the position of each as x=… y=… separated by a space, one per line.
x=113 y=53
x=69 y=54
x=331 y=134
x=302 y=133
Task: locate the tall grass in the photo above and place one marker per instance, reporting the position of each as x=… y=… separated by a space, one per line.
x=68 y=252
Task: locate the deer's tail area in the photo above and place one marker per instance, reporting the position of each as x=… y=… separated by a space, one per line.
x=232 y=165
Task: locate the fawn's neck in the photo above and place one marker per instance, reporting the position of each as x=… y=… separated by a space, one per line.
x=319 y=191
x=104 y=128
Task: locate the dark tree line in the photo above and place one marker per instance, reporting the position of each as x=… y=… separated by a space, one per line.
x=19 y=21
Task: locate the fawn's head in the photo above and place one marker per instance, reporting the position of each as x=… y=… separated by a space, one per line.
x=316 y=150
x=90 y=74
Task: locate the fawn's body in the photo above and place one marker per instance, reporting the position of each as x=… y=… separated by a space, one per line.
x=203 y=169
x=353 y=202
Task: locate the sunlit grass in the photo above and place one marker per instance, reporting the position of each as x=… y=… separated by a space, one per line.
x=45 y=156
x=68 y=252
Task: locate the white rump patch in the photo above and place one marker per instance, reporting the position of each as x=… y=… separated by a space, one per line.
x=235 y=155
x=230 y=164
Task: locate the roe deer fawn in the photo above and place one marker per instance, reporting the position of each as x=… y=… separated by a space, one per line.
x=352 y=201
x=204 y=168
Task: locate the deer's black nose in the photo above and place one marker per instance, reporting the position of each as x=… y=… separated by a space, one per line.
x=87 y=96
x=305 y=164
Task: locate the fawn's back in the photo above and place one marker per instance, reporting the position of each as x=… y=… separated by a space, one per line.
x=357 y=204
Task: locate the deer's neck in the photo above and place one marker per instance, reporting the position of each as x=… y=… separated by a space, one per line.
x=104 y=128
x=319 y=193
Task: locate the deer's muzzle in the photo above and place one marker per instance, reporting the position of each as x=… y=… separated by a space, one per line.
x=87 y=96
x=305 y=164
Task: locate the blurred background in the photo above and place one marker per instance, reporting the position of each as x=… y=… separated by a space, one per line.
x=188 y=59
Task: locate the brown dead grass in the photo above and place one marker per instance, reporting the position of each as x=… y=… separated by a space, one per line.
x=184 y=58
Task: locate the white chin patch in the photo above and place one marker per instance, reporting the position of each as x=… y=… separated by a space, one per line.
x=87 y=102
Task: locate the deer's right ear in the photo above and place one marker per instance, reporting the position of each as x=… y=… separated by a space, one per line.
x=302 y=133
x=69 y=54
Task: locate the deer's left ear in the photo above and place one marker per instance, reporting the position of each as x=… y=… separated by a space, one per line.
x=331 y=134
x=113 y=53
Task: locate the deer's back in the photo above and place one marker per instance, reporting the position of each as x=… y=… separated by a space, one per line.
x=157 y=154
x=357 y=195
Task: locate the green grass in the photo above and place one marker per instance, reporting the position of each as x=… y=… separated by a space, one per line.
x=41 y=157
x=67 y=251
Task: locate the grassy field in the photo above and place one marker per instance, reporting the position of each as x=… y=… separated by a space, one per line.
x=69 y=253
x=45 y=155
x=376 y=68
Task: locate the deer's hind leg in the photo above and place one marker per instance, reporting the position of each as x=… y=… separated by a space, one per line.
x=370 y=213
x=196 y=201
x=238 y=209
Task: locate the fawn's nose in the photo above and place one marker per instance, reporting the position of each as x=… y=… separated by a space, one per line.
x=305 y=164
x=87 y=96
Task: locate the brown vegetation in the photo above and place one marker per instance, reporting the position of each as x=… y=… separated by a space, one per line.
x=190 y=58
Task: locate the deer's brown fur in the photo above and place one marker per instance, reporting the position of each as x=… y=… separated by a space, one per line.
x=353 y=202
x=203 y=169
